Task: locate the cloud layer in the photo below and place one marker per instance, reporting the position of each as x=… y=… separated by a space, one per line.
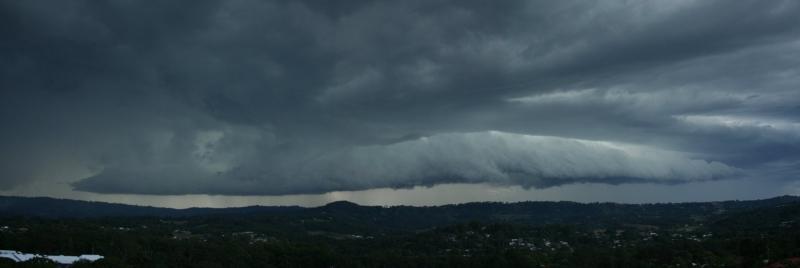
x=282 y=97
x=485 y=157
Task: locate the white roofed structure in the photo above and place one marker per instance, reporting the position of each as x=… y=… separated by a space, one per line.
x=17 y=256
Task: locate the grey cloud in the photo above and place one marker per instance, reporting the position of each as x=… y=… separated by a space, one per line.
x=230 y=97
x=485 y=157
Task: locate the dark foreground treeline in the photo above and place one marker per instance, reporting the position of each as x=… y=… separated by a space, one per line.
x=764 y=233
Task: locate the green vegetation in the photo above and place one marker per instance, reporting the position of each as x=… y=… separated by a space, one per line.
x=528 y=234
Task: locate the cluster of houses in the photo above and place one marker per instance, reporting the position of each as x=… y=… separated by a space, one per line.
x=545 y=244
x=61 y=260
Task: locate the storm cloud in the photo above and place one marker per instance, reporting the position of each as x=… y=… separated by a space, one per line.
x=486 y=157
x=286 y=97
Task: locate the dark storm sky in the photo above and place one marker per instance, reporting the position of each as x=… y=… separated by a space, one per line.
x=308 y=97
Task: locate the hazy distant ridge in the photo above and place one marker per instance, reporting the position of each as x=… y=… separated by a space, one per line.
x=531 y=212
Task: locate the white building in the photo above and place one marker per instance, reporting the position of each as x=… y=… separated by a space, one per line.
x=17 y=256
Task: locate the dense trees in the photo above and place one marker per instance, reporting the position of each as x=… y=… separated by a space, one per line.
x=343 y=235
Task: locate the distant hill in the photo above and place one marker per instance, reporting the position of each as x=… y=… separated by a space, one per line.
x=46 y=207
x=405 y=217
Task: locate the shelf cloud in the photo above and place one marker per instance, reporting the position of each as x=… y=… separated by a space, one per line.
x=483 y=157
x=279 y=97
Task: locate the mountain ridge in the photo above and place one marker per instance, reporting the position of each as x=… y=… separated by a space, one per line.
x=48 y=207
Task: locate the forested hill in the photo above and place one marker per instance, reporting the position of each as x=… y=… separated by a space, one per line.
x=45 y=207
x=759 y=233
x=406 y=216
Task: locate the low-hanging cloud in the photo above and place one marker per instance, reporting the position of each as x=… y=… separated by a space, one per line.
x=483 y=157
x=280 y=97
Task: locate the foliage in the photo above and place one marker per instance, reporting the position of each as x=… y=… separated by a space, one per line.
x=560 y=234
